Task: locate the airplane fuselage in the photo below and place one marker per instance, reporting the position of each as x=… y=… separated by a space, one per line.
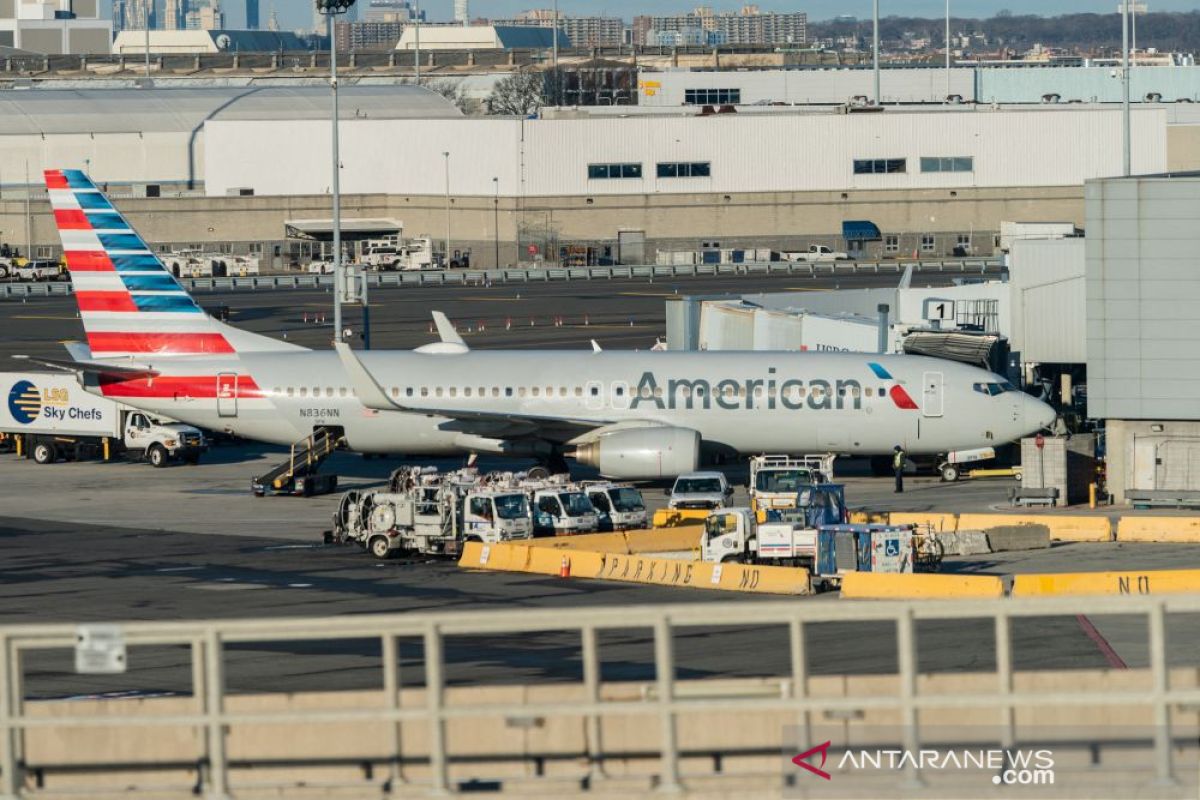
x=744 y=401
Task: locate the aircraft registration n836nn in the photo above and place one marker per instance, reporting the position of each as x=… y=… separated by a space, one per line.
x=632 y=414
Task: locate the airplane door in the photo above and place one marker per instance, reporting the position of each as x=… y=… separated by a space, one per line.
x=227 y=394
x=595 y=395
x=933 y=393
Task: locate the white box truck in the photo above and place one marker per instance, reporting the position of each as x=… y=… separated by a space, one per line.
x=47 y=416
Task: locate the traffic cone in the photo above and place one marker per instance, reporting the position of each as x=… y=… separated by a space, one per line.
x=564 y=569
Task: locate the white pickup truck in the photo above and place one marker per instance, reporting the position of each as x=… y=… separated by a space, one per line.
x=816 y=253
x=32 y=270
x=50 y=417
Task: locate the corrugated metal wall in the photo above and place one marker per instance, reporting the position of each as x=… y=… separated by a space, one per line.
x=1143 y=297
x=1049 y=308
x=747 y=153
x=925 y=85
x=903 y=85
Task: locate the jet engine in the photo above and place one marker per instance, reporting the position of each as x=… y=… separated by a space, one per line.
x=642 y=453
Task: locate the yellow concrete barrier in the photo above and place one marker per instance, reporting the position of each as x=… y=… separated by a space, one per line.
x=596 y=542
x=868 y=517
x=512 y=557
x=1159 y=529
x=879 y=585
x=665 y=540
x=636 y=569
x=672 y=517
x=1164 y=581
x=942 y=523
x=1075 y=528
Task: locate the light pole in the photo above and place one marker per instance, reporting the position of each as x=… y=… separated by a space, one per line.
x=417 y=36
x=446 y=157
x=947 y=49
x=496 y=219
x=875 y=48
x=331 y=8
x=1127 y=156
x=554 y=38
x=146 y=18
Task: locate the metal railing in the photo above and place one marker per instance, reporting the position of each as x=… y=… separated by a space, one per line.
x=661 y=705
x=473 y=277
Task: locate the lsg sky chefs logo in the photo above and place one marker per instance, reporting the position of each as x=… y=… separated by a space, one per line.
x=1008 y=767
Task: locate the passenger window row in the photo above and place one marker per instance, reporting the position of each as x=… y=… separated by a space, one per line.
x=594 y=390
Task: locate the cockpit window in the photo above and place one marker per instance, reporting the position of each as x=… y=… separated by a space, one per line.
x=993 y=389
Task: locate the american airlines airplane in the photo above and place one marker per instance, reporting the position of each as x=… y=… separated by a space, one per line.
x=631 y=414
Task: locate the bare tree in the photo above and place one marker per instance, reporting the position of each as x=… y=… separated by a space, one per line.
x=451 y=90
x=521 y=93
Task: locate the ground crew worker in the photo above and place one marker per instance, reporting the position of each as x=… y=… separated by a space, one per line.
x=899 y=457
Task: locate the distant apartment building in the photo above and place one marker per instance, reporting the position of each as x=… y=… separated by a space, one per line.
x=55 y=27
x=748 y=26
x=390 y=11
x=207 y=17
x=582 y=31
x=685 y=37
x=367 y=35
x=252 y=22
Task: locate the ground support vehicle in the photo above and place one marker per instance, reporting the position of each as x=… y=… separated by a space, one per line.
x=776 y=479
x=560 y=508
x=50 y=417
x=425 y=513
x=703 y=490
x=786 y=537
x=620 y=506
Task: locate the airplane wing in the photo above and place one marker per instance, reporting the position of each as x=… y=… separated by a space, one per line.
x=97 y=368
x=372 y=396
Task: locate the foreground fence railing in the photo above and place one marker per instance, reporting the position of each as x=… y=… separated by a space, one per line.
x=663 y=703
x=473 y=277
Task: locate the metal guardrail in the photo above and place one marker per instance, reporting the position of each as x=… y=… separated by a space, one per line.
x=472 y=277
x=662 y=706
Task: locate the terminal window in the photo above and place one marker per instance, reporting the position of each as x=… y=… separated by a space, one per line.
x=605 y=171
x=947 y=164
x=879 y=166
x=712 y=97
x=685 y=169
x=891 y=243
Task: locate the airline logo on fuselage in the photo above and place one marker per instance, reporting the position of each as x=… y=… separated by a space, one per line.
x=769 y=393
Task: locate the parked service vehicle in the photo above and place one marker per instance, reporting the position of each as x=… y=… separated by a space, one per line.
x=620 y=506
x=431 y=515
x=322 y=266
x=51 y=417
x=700 y=490
x=735 y=535
x=39 y=271
x=563 y=509
x=775 y=479
x=816 y=253
x=786 y=537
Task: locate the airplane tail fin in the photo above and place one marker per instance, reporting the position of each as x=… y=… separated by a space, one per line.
x=130 y=304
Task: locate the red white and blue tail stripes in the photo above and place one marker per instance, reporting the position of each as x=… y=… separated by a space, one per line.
x=129 y=302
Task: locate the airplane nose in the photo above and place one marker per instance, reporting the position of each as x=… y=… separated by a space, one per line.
x=1038 y=414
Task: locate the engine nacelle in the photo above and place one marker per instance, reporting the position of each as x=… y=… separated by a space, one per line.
x=642 y=453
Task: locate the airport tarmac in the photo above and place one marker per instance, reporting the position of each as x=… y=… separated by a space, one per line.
x=60 y=572
x=155 y=555
x=400 y=316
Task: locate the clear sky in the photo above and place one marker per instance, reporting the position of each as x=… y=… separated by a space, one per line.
x=298 y=13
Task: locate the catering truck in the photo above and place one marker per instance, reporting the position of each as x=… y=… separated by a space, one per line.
x=47 y=416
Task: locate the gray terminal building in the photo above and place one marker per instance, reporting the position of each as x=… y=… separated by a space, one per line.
x=1143 y=329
